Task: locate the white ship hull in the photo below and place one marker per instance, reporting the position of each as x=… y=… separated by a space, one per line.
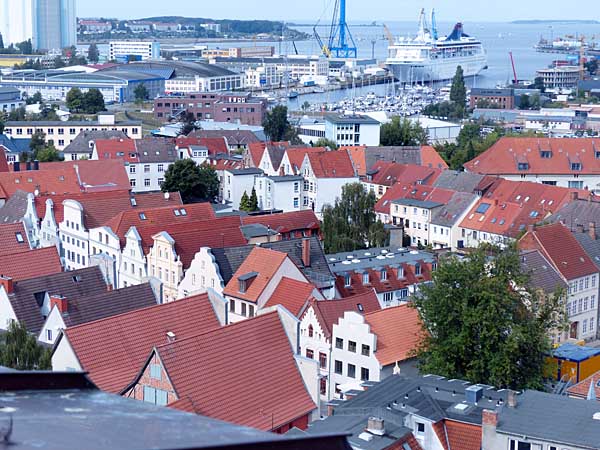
x=428 y=71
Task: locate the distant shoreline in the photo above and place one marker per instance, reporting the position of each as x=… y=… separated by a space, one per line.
x=567 y=22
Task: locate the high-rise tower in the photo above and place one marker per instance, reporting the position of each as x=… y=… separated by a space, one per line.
x=18 y=21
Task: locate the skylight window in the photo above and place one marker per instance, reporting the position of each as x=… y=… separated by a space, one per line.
x=142 y=216
x=183 y=212
x=176 y=212
x=19 y=237
x=482 y=208
x=534 y=214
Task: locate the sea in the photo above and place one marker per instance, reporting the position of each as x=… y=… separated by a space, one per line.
x=499 y=39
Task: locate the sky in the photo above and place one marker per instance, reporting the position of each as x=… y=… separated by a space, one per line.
x=309 y=11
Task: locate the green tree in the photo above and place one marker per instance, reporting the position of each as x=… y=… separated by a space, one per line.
x=93 y=102
x=93 y=53
x=276 y=124
x=483 y=323
x=305 y=106
x=141 y=93
x=189 y=123
x=253 y=201
x=245 y=202
x=35 y=99
x=59 y=62
x=25 y=47
x=192 y=181
x=324 y=142
x=458 y=91
x=402 y=132
x=524 y=103
x=20 y=350
x=538 y=83
x=74 y=100
x=351 y=223
x=38 y=141
x=48 y=154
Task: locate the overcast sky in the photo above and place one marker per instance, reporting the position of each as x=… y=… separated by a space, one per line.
x=358 y=10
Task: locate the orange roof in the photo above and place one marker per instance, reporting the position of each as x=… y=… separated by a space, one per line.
x=215 y=145
x=553 y=156
x=112 y=350
x=10 y=241
x=3 y=161
x=358 y=155
x=292 y=294
x=286 y=222
x=94 y=175
x=458 y=435
x=296 y=156
x=30 y=264
x=216 y=374
x=412 y=191
x=398 y=332
x=431 y=158
x=261 y=262
x=582 y=388
x=561 y=248
x=334 y=164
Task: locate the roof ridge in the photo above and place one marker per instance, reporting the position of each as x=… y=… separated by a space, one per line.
x=147 y=308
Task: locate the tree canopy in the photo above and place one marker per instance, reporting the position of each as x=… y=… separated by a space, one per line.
x=93 y=53
x=20 y=350
x=455 y=108
x=324 y=142
x=193 y=182
x=483 y=322
x=92 y=102
x=351 y=223
x=141 y=93
x=277 y=126
x=403 y=132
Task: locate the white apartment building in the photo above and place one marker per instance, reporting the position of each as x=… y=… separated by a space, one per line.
x=236 y=182
x=279 y=192
x=352 y=130
x=143 y=49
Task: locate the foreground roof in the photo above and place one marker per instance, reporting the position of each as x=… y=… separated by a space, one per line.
x=292 y=294
x=30 y=264
x=112 y=350
x=223 y=381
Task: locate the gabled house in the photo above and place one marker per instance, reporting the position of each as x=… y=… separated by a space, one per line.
x=215 y=373
x=214 y=267
x=394 y=273
x=29 y=301
x=316 y=328
x=66 y=313
x=112 y=350
x=288 y=225
x=256 y=280
x=558 y=245
x=385 y=174
x=373 y=346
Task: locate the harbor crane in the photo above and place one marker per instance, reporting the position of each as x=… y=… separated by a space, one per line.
x=340 y=43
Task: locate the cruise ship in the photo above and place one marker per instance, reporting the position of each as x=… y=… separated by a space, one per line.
x=428 y=57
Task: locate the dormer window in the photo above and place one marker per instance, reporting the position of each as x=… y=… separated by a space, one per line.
x=417 y=269
x=546 y=154
x=523 y=166
x=383 y=274
x=242 y=286
x=365 y=278
x=245 y=280
x=400 y=272
x=576 y=166
x=347 y=280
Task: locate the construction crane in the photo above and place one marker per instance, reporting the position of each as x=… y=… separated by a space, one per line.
x=512 y=61
x=340 y=43
x=388 y=34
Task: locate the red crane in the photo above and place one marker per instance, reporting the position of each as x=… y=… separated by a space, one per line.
x=512 y=61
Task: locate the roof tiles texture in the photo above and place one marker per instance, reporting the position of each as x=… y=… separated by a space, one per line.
x=30 y=264
x=224 y=381
x=292 y=294
x=114 y=349
x=333 y=164
x=13 y=238
x=398 y=332
x=286 y=222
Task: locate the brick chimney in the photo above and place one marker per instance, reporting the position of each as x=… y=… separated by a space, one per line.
x=574 y=196
x=512 y=399
x=7 y=283
x=592 y=231
x=306 y=252
x=60 y=302
x=489 y=418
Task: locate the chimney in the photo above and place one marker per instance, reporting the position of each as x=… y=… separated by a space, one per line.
x=376 y=426
x=306 y=252
x=489 y=418
x=7 y=283
x=592 y=231
x=170 y=336
x=531 y=228
x=574 y=196
x=473 y=394
x=36 y=165
x=17 y=166
x=512 y=399
x=579 y=228
x=60 y=302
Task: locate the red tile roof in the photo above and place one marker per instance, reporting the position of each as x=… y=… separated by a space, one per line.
x=392 y=282
x=3 y=161
x=296 y=156
x=386 y=173
x=398 y=332
x=121 y=149
x=225 y=164
x=329 y=311
x=158 y=217
x=561 y=248
x=463 y=436
x=8 y=238
x=582 y=388
x=94 y=175
x=256 y=151
x=412 y=191
x=30 y=264
x=407 y=440
x=334 y=164
x=217 y=374
x=215 y=145
x=264 y=263
x=358 y=155
x=286 y=222
x=431 y=158
x=112 y=350
x=505 y=156
x=292 y=294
